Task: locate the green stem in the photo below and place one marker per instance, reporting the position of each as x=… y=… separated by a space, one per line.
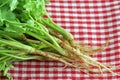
x=57 y=28
x=44 y=30
x=7 y=58
x=2 y=58
x=49 y=36
x=11 y=51
x=17 y=57
x=59 y=49
x=17 y=45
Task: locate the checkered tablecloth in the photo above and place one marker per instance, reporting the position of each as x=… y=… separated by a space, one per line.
x=90 y=21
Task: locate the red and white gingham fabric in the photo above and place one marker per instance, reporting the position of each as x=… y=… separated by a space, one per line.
x=90 y=21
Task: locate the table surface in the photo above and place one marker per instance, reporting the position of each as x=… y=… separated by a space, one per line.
x=92 y=22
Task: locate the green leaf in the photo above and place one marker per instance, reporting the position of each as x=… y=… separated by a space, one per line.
x=35 y=7
x=13 y=4
x=18 y=29
x=3 y=2
x=29 y=5
x=7 y=14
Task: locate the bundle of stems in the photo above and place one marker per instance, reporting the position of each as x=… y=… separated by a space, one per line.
x=26 y=34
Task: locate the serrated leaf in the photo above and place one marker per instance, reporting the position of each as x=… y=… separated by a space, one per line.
x=35 y=7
